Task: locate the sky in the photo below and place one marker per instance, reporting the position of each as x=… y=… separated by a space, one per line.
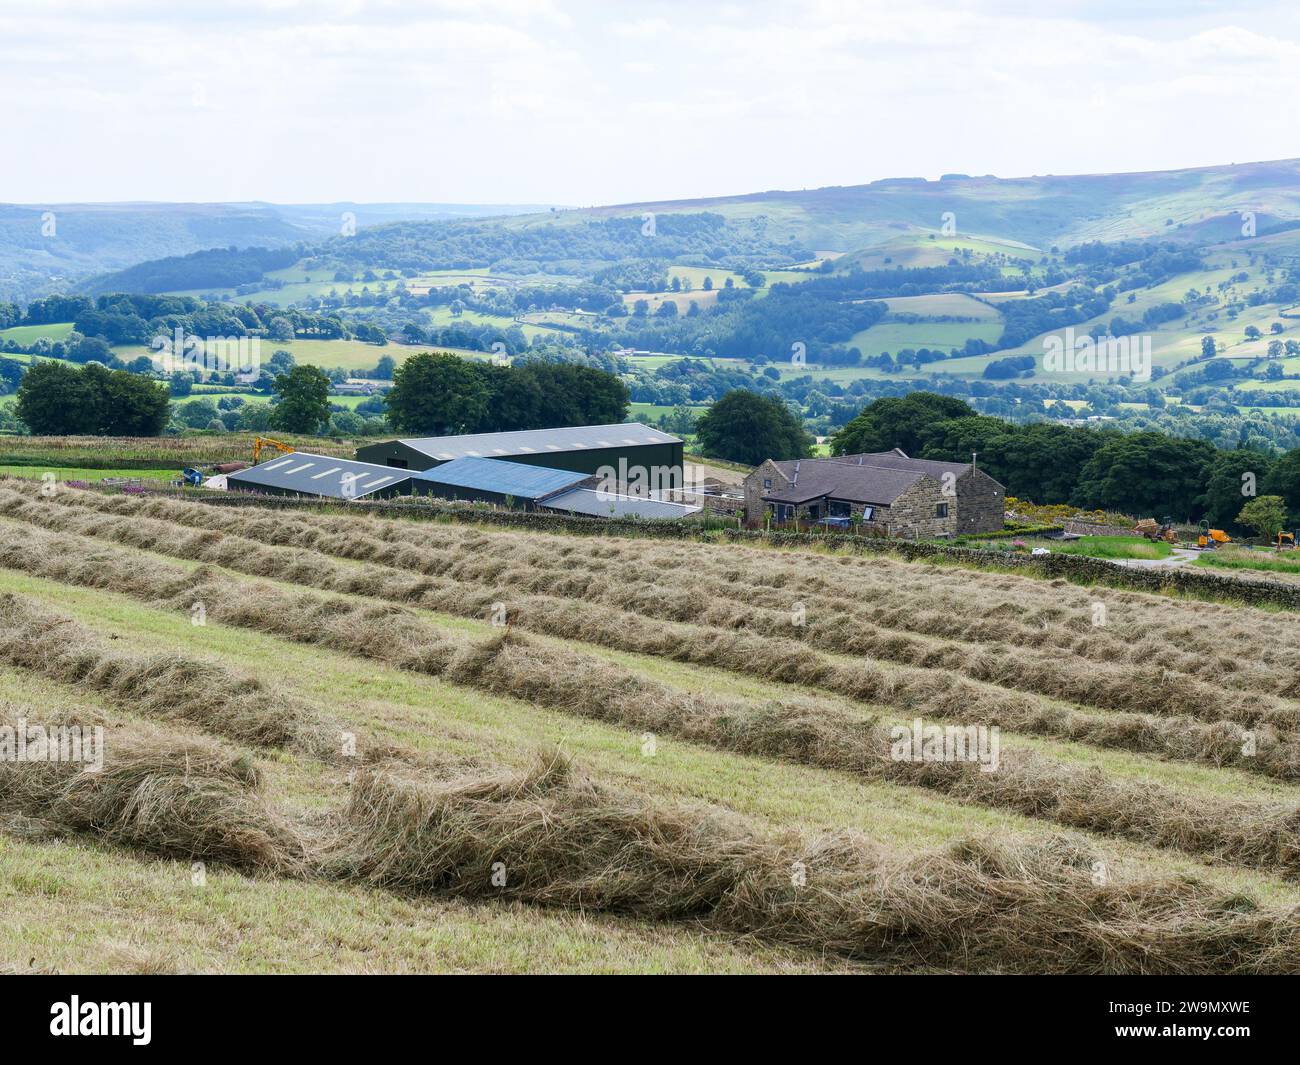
x=585 y=103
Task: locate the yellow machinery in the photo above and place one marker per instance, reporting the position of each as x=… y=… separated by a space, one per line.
x=1211 y=537
x=1288 y=537
x=1153 y=531
x=266 y=441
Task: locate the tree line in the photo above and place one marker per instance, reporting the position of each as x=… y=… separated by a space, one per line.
x=1145 y=474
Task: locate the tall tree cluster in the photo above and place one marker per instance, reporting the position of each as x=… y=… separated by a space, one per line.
x=439 y=394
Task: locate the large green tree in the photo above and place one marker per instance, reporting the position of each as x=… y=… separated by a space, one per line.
x=304 y=400
x=438 y=395
x=909 y=422
x=58 y=399
x=745 y=427
x=1266 y=515
x=1232 y=480
x=1284 y=480
x=1146 y=475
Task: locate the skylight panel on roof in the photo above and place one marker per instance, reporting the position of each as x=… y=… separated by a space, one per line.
x=628 y=440
x=524 y=447
x=604 y=443
x=326 y=473
x=446 y=455
x=277 y=465
x=474 y=453
x=553 y=447
x=376 y=482
x=300 y=468
x=499 y=450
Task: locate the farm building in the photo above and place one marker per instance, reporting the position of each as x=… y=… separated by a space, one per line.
x=598 y=503
x=495 y=481
x=303 y=473
x=885 y=490
x=589 y=449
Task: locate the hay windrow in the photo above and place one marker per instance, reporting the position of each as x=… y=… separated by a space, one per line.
x=190 y=799
x=168 y=686
x=928 y=686
x=550 y=836
x=1261 y=834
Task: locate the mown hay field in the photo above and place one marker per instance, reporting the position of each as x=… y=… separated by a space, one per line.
x=360 y=743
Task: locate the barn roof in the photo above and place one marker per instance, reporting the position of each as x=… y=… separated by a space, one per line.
x=515 y=479
x=318 y=475
x=539 y=441
x=602 y=504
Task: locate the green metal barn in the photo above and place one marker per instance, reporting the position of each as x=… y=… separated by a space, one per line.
x=588 y=449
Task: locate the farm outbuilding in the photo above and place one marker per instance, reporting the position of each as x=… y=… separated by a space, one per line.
x=589 y=449
x=494 y=481
x=304 y=474
x=598 y=503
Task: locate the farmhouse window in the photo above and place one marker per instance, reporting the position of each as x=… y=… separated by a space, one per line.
x=941 y=510
x=837 y=508
x=767 y=482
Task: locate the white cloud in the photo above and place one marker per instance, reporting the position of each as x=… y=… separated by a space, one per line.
x=575 y=101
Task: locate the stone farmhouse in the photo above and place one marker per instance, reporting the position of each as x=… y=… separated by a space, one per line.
x=887 y=491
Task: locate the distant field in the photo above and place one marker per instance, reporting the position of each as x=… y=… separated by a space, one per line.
x=82 y=473
x=327 y=354
x=28 y=334
x=942 y=303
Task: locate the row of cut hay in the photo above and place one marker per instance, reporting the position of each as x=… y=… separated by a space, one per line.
x=193 y=799
x=928 y=690
x=679 y=590
x=554 y=838
x=169 y=686
x=1263 y=834
x=1250 y=652
x=934 y=601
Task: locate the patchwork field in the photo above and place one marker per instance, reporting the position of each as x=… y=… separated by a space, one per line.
x=378 y=744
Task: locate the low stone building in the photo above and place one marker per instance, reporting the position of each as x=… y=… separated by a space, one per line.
x=887 y=491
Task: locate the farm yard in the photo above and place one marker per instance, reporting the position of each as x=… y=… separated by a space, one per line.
x=381 y=744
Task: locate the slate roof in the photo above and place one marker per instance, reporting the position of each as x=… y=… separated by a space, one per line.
x=539 y=441
x=841 y=480
x=318 y=475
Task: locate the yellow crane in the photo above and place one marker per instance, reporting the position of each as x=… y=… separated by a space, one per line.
x=266 y=441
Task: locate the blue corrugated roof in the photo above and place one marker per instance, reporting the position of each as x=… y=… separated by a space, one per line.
x=516 y=479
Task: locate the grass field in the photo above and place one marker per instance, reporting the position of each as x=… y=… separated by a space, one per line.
x=676 y=758
x=83 y=473
x=1110 y=547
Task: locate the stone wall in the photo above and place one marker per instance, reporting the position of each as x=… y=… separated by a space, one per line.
x=915 y=512
x=981 y=503
x=755 y=508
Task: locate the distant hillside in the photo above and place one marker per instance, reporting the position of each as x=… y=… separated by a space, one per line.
x=43 y=247
x=1039 y=211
